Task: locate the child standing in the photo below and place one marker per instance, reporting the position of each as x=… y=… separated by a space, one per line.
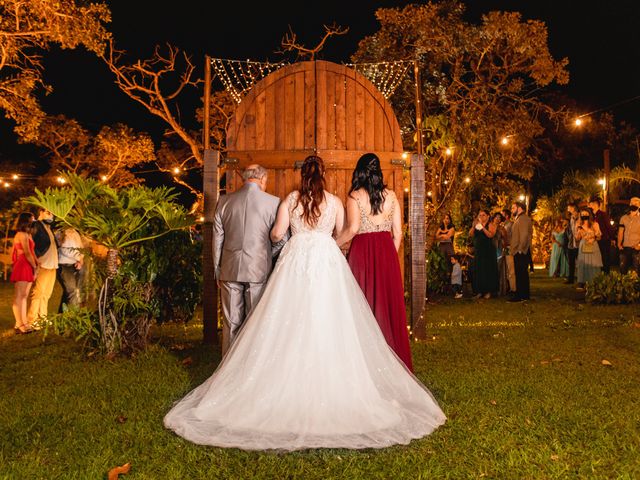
x=456 y=277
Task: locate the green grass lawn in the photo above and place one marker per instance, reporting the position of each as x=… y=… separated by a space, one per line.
x=523 y=385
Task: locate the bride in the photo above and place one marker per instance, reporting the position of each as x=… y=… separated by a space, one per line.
x=310 y=368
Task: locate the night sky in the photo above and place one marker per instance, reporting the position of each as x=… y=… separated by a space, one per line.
x=601 y=40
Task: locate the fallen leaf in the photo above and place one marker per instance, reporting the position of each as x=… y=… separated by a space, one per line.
x=636 y=325
x=555 y=457
x=122 y=470
x=121 y=419
x=607 y=363
x=187 y=361
x=493 y=402
x=544 y=362
x=556 y=359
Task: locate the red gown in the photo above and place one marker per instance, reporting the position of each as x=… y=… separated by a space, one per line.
x=22 y=271
x=374 y=262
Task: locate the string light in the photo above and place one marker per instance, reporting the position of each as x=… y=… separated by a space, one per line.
x=104 y=178
x=61 y=180
x=505 y=140
x=578 y=122
x=385 y=76
x=176 y=170
x=14 y=176
x=448 y=151
x=238 y=77
x=6 y=184
x=467 y=180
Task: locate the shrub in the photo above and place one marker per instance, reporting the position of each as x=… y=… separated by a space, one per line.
x=614 y=288
x=437 y=271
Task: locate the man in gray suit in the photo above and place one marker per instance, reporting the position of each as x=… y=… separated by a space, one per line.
x=521 y=233
x=242 y=250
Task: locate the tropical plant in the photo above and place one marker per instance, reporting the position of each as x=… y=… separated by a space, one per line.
x=115 y=219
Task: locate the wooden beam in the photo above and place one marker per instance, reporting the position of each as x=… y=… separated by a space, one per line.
x=418 y=260
x=210 y=287
x=289 y=158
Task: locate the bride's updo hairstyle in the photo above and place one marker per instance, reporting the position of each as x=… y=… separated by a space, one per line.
x=311 y=189
x=368 y=175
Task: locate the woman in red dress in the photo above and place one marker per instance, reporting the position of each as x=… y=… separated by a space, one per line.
x=23 y=270
x=374 y=227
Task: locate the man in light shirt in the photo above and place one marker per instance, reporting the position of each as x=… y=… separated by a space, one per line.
x=47 y=258
x=629 y=238
x=70 y=262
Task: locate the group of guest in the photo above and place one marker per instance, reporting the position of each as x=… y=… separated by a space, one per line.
x=501 y=253
x=39 y=258
x=581 y=245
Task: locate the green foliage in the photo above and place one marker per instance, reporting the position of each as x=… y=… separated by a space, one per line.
x=178 y=283
x=437 y=271
x=115 y=218
x=81 y=324
x=614 y=288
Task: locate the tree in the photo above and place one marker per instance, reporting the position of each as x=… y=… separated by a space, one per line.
x=480 y=86
x=28 y=27
x=116 y=219
x=110 y=155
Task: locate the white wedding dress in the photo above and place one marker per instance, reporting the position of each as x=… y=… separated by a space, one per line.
x=310 y=368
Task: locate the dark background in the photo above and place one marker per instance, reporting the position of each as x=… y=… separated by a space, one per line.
x=601 y=40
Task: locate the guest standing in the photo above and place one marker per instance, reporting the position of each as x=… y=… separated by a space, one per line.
x=608 y=233
x=558 y=266
x=22 y=273
x=485 y=278
x=521 y=233
x=444 y=237
x=70 y=265
x=47 y=254
x=572 y=243
x=629 y=238
x=456 y=277
x=374 y=227
x=589 y=262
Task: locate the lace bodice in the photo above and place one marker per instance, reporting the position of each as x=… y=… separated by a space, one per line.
x=367 y=226
x=326 y=222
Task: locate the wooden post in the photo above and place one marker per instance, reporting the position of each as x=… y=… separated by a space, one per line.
x=605 y=187
x=418 y=260
x=210 y=187
x=210 y=287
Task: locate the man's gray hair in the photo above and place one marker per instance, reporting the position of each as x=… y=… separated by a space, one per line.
x=254 y=171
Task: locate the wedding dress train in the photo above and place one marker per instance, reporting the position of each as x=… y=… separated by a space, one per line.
x=310 y=368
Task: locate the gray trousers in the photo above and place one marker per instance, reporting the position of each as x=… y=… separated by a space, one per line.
x=238 y=300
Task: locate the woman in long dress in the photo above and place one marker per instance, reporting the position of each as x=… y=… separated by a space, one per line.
x=558 y=262
x=310 y=368
x=589 y=261
x=485 y=272
x=374 y=228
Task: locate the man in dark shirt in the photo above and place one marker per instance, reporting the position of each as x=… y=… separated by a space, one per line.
x=608 y=232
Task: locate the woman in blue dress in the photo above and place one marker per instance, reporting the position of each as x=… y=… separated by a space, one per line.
x=558 y=263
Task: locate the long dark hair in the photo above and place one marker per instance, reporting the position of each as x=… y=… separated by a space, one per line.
x=24 y=222
x=311 y=189
x=368 y=175
x=448 y=227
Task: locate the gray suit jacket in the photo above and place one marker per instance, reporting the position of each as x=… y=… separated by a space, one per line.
x=521 y=233
x=242 y=250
